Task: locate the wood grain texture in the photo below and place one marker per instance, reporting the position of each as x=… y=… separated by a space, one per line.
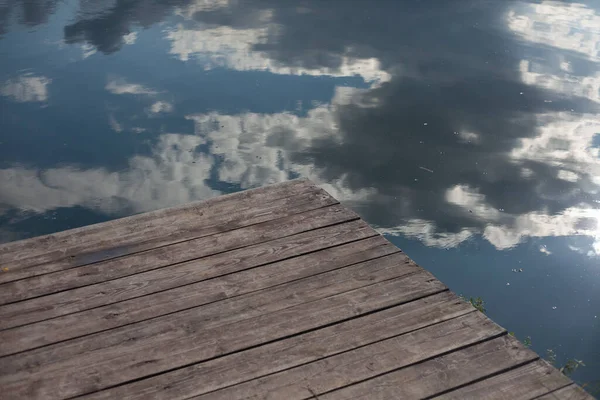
x=281 y=355
x=191 y=222
x=194 y=295
x=274 y=293
x=151 y=259
x=92 y=363
x=69 y=239
x=227 y=311
x=441 y=373
x=571 y=392
x=172 y=276
x=524 y=383
x=366 y=362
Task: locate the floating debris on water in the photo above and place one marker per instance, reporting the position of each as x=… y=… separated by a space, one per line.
x=426 y=169
x=554 y=307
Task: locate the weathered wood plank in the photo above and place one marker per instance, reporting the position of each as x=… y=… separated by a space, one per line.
x=151 y=259
x=571 y=392
x=524 y=383
x=366 y=362
x=194 y=223
x=120 y=228
x=228 y=311
x=142 y=308
x=38 y=374
x=278 y=356
x=172 y=276
x=275 y=293
x=440 y=374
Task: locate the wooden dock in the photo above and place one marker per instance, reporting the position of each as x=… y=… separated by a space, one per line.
x=273 y=293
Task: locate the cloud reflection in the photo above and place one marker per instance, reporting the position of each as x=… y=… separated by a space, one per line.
x=453 y=139
x=26 y=88
x=121 y=86
x=234 y=49
x=172 y=175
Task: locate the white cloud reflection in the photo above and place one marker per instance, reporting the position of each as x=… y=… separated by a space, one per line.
x=26 y=88
x=258 y=149
x=567 y=26
x=161 y=107
x=572 y=27
x=224 y=46
x=171 y=175
x=121 y=86
x=561 y=81
x=252 y=149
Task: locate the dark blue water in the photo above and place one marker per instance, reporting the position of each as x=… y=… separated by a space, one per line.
x=467 y=131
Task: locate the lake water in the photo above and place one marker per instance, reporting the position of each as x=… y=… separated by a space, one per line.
x=468 y=132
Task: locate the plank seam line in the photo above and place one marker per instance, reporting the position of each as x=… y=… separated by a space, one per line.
x=180 y=207
x=206 y=279
x=267 y=342
x=193 y=208
x=444 y=353
x=203 y=304
x=497 y=373
x=216 y=301
x=336 y=354
x=418 y=271
x=161 y=246
x=556 y=390
x=152 y=269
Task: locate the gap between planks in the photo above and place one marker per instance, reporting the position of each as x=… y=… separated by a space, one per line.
x=571 y=392
x=93 y=366
x=367 y=362
x=524 y=383
x=188 y=272
x=119 y=227
x=59 y=281
x=185 y=228
x=293 y=351
x=202 y=293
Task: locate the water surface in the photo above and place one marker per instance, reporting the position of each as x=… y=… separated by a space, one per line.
x=468 y=132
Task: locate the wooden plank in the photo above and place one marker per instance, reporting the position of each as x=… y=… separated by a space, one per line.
x=122 y=227
x=172 y=276
x=229 y=311
x=524 y=383
x=365 y=362
x=441 y=373
x=195 y=223
x=571 y=392
x=181 y=252
x=277 y=356
x=38 y=374
x=138 y=309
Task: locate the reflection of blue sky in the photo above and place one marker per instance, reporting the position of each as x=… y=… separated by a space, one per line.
x=486 y=140
x=260 y=119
